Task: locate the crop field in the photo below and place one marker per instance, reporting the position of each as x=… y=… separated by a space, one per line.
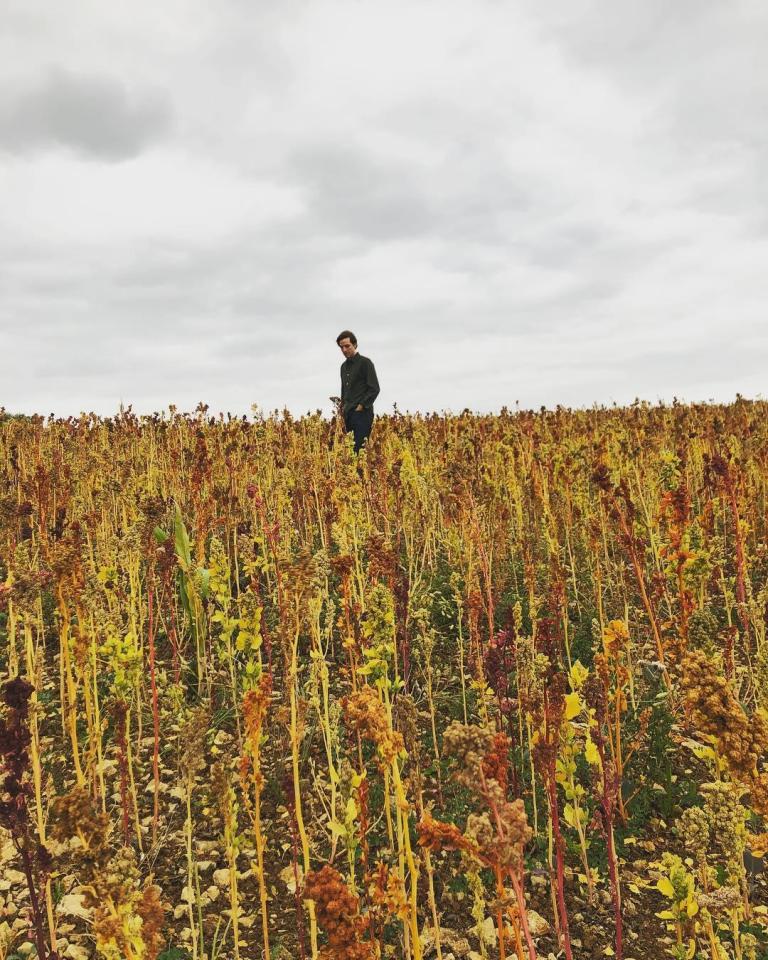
x=496 y=688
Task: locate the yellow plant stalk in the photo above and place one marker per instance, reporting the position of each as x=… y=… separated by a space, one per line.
x=34 y=672
x=293 y=681
x=255 y=706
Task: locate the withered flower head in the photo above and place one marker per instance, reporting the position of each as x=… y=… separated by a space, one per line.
x=16 y=694
x=469 y=745
x=366 y=713
x=338 y=913
x=439 y=835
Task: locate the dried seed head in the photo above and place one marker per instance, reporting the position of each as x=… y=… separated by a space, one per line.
x=468 y=745
x=338 y=913
x=366 y=713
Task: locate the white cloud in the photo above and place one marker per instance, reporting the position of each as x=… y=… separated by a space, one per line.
x=558 y=204
x=169 y=195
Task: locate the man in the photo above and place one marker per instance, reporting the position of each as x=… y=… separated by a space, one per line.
x=359 y=388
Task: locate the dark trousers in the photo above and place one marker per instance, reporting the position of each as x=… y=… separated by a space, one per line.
x=359 y=422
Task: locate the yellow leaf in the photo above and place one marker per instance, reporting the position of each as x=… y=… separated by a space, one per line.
x=570 y=815
x=691 y=907
x=691 y=950
x=609 y=952
x=591 y=753
x=699 y=750
x=665 y=915
x=288 y=877
x=357 y=779
x=572 y=706
x=664 y=885
x=578 y=674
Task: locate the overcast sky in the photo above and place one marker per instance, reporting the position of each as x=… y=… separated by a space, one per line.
x=542 y=203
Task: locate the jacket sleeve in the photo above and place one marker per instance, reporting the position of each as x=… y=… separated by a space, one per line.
x=371 y=385
x=341 y=374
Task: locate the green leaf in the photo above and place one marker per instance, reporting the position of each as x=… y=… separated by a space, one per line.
x=183 y=595
x=204 y=578
x=160 y=535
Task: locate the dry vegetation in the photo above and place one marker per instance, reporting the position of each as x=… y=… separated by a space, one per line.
x=496 y=688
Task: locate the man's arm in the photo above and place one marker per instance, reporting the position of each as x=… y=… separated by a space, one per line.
x=371 y=385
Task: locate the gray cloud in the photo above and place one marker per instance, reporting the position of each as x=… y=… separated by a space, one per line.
x=470 y=194
x=701 y=60
x=552 y=204
x=354 y=192
x=96 y=116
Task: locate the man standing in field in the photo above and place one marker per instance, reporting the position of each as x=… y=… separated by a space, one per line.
x=359 y=388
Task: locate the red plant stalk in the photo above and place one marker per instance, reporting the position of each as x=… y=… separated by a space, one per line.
x=559 y=859
x=520 y=897
x=15 y=763
x=35 y=902
x=499 y=912
x=513 y=875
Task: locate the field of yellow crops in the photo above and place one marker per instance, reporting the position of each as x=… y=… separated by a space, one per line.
x=497 y=687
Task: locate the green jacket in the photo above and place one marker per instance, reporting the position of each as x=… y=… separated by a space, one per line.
x=359 y=383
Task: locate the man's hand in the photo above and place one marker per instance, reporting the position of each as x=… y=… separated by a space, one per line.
x=359 y=408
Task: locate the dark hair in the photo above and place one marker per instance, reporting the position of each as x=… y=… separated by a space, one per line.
x=347 y=334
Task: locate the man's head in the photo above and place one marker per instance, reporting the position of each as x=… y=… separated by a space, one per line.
x=348 y=343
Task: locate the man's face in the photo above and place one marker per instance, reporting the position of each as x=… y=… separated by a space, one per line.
x=347 y=347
